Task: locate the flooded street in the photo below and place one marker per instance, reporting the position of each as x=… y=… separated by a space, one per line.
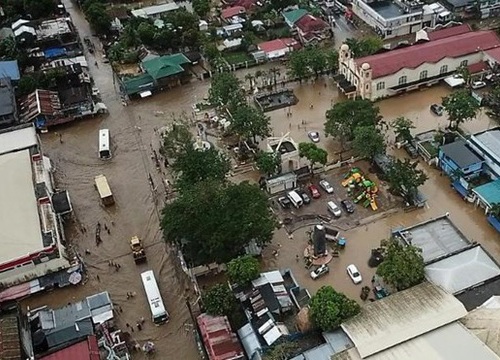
x=137 y=211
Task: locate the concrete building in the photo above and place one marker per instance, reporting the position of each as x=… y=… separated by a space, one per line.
x=31 y=232
x=288 y=149
x=487 y=145
x=424 y=64
x=398 y=18
x=437 y=238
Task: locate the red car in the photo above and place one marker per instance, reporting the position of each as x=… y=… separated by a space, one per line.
x=314 y=191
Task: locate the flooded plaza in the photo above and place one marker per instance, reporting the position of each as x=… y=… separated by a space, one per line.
x=137 y=209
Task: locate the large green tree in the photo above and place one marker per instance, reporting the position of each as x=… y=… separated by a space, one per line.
x=282 y=351
x=243 y=269
x=176 y=140
x=250 y=122
x=402 y=128
x=313 y=153
x=345 y=116
x=297 y=65
x=201 y=7
x=404 y=178
x=213 y=222
x=329 y=308
x=365 y=46
x=194 y=166
x=219 y=300
x=268 y=162
x=460 y=106
x=226 y=90
x=403 y=265
x=97 y=16
x=368 y=142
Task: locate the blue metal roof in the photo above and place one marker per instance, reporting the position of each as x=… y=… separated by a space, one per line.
x=489 y=192
x=10 y=69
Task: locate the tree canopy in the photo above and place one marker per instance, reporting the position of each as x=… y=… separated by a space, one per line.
x=404 y=178
x=368 y=142
x=403 y=265
x=194 y=166
x=219 y=300
x=313 y=153
x=282 y=351
x=402 y=128
x=213 y=222
x=176 y=140
x=268 y=162
x=39 y=8
x=311 y=61
x=365 y=46
x=226 y=90
x=493 y=103
x=345 y=116
x=330 y=308
x=250 y=122
x=97 y=16
x=243 y=269
x=460 y=106
x=201 y=7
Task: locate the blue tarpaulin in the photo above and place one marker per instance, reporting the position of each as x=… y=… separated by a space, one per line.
x=460 y=189
x=54 y=52
x=494 y=222
x=10 y=69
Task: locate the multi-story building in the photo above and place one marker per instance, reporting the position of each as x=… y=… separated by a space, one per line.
x=400 y=17
x=422 y=64
x=32 y=234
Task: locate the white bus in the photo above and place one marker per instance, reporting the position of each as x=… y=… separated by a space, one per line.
x=104 y=147
x=158 y=311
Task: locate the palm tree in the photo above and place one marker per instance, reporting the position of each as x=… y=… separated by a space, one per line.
x=275 y=73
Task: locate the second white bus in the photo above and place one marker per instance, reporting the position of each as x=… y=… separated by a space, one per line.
x=104 y=147
x=158 y=312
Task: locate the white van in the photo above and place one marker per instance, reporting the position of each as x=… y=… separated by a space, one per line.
x=104 y=147
x=334 y=209
x=295 y=198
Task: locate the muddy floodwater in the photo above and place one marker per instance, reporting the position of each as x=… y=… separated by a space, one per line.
x=137 y=209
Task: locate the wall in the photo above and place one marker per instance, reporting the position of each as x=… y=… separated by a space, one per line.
x=414 y=74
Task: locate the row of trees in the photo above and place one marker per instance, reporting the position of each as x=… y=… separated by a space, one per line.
x=311 y=62
x=35 y=9
x=97 y=15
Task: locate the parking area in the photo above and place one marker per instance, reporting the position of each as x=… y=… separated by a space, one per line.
x=363 y=190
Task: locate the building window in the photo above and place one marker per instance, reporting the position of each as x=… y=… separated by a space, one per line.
x=367 y=74
x=355 y=81
x=444 y=69
x=388 y=32
x=463 y=63
x=381 y=85
x=367 y=86
x=423 y=74
x=402 y=80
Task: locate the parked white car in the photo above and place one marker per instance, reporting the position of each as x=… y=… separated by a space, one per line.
x=325 y=185
x=319 y=272
x=334 y=209
x=478 y=84
x=354 y=274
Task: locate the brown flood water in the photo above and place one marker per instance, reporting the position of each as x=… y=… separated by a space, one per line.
x=135 y=212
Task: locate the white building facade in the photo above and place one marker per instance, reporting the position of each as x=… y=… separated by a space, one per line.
x=397 y=71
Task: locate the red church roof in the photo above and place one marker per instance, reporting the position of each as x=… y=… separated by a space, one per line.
x=309 y=23
x=229 y=12
x=451 y=31
x=413 y=56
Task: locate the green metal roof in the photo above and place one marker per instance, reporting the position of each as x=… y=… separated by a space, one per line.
x=293 y=16
x=136 y=84
x=165 y=66
x=489 y=192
